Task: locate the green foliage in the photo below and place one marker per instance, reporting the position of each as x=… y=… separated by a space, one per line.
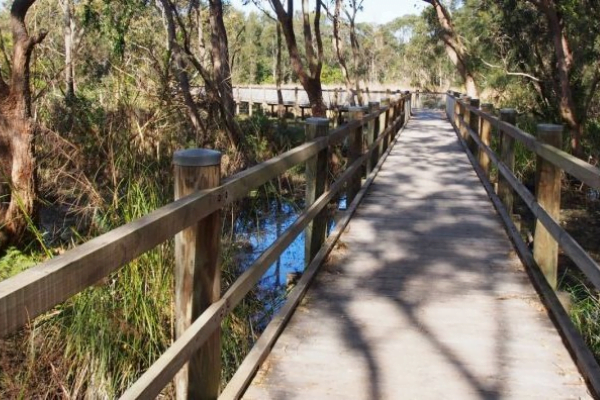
x=331 y=75
x=585 y=314
x=15 y=261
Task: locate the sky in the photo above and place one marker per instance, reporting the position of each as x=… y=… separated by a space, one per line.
x=378 y=11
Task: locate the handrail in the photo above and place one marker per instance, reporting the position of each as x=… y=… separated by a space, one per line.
x=542 y=263
x=40 y=288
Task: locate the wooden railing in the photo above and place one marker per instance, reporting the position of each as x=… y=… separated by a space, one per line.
x=193 y=218
x=474 y=124
x=294 y=98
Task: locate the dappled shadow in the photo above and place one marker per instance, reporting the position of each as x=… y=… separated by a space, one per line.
x=425 y=299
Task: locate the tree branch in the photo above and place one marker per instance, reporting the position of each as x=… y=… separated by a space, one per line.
x=510 y=73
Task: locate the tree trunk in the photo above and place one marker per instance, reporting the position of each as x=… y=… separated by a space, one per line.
x=455 y=48
x=69 y=32
x=17 y=158
x=182 y=75
x=279 y=75
x=222 y=72
x=338 y=44
x=564 y=63
x=311 y=78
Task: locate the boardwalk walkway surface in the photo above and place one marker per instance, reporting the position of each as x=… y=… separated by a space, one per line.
x=424 y=299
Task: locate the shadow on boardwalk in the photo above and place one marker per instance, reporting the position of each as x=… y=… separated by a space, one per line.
x=423 y=299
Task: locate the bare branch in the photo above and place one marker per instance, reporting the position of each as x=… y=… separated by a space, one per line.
x=533 y=78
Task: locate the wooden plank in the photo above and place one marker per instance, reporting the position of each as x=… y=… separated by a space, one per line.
x=579 y=350
x=29 y=294
x=243 y=376
x=572 y=249
x=153 y=380
x=580 y=169
x=198 y=273
x=371 y=328
x=547 y=193
x=38 y=289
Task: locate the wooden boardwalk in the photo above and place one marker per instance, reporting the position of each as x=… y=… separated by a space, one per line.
x=424 y=298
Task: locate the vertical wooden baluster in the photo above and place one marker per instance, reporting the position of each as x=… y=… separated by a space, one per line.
x=547 y=190
x=507 y=156
x=197 y=273
x=485 y=131
x=466 y=116
x=374 y=133
x=474 y=125
x=384 y=119
x=354 y=152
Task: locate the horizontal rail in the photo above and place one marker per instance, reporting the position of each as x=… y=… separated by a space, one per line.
x=165 y=368
x=581 y=170
x=580 y=257
x=241 y=379
x=581 y=353
x=38 y=289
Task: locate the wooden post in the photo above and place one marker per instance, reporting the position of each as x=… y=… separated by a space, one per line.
x=507 y=156
x=296 y=104
x=374 y=133
x=485 y=132
x=250 y=102
x=457 y=114
x=354 y=152
x=466 y=116
x=197 y=273
x=383 y=124
x=316 y=179
x=547 y=190
x=474 y=125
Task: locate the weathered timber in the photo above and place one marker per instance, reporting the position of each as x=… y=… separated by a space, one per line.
x=474 y=125
x=485 y=133
x=572 y=249
x=355 y=143
x=369 y=327
x=547 y=192
x=507 y=155
x=197 y=273
x=243 y=376
x=579 y=350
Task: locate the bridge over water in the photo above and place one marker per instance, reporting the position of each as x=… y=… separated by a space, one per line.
x=417 y=293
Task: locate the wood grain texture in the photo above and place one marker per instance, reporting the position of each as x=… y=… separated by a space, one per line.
x=507 y=155
x=572 y=249
x=572 y=165
x=582 y=355
x=406 y=308
x=547 y=193
x=198 y=285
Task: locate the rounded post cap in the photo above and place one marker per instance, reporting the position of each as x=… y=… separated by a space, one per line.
x=487 y=106
x=474 y=102
x=550 y=128
x=508 y=111
x=196 y=157
x=317 y=121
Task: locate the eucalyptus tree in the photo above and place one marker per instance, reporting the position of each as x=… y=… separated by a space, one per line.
x=310 y=77
x=455 y=47
x=17 y=129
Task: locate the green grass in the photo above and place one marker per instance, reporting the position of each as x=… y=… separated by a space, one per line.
x=585 y=314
